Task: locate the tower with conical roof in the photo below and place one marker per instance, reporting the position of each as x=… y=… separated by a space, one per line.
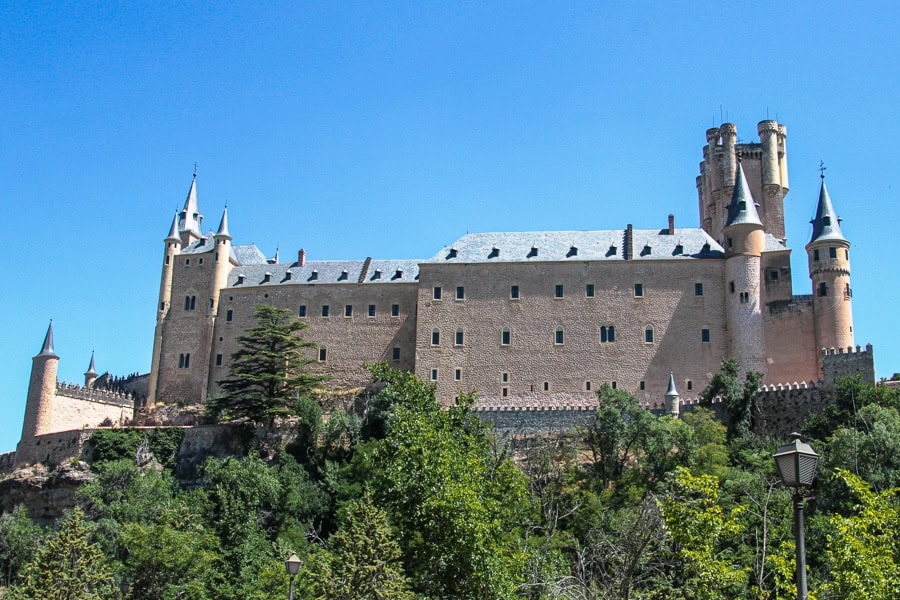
x=828 y=252
x=173 y=245
x=190 y=220
x=673 y=402
x=41 y=390
x=744 y=243
x=90 y=376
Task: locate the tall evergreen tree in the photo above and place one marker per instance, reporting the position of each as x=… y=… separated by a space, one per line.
x=269 y=371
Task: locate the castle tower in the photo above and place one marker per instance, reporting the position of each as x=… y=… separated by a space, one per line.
x=190 y=220
x=90 y=376
x=744 y=243
x=673 y=403
x=221 y=268
x=173 y=249
x=41 y=390
x=829 y=269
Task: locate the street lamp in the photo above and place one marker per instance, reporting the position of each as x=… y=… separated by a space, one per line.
x=797 y=464
x=293 y=567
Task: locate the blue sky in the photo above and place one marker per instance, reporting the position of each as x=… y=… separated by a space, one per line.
x=390 y=129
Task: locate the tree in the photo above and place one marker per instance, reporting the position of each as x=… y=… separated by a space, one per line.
x=269 y=370
x=20 y=538
x=68 y=566
x=738 y=396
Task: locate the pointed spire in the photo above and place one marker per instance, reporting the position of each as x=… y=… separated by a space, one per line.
x=826 y=225
x=91 y=369
x=191 y=218
x=47 y=348
x=223 y=225
x=671 y=392
x=742 y=209
x=173 y=231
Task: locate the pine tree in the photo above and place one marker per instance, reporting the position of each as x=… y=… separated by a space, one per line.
x=269 y=371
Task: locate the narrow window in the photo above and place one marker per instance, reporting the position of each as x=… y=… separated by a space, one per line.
x=301 y=312
x=504 y=392
x=218 y=360
x=690 y=385
x=348 y=310
x=436 y=338
x=698 y=289
x=604 y=336
x=704 y=336
x=505 y=337
x=395 y=355
x=436 y=293
x=832 y=252
x=395 y=310
x=323 y=354
x=587 y=386
x=639 y=290
x=546 y=386
x=589 y=290
x=325 y=310
x=187 y=360
x=229 y=315
x=642 y=386
x=181 y=361
x=731 y=286
x=457 y=374
x=504 y=377
x=558 y=339
x=514 y=292
x=611 y=333
x=846 y=254
x=460 y=292
x=187 y=303
x=823 y=289
x=848 y=293
x=614 y=385
x=162 y=306
x=648 y=334
x=187 y=262
x=371 y=310
x=559 y=290
x=200 y=261
x=167 y=259
x=459 y=337
x=434 y=374
x=816 y=254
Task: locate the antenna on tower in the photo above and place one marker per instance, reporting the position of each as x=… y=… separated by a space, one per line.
x=822 y=169
x=721 y=118
x=195 y=169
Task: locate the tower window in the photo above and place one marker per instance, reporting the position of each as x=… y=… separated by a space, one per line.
x=325 y=310
x=218 y=360
x=301 y=312
x=184 y=361
x=460 y=292
x=704 y=336
x=607 y=334
x=434 y=374
x=395 y=354
x=395 y=310
x=436 y=292
x=504 y=377
x=559 y=291
x=514 y=292
x=348 y=310
x=639 y=290
x=505 y=337
x=436 y=337
x=167 y=259
x=773 y=275
x=546 y=386
x=190 y=302
x=731 y=286
x=460 y=337
x=816 y=254
x=323 y=354
x=587 y=386
x=848 y=293
x=823 y=289
x=698 y=289
x=648 y=334
x=589 y=290
x=504 y=392
x=371 y=310
x=614 y=385
x=832 y=252
x=559 y=337
x=690 y=385
x=229 y=315
x=642 y=386
x=457 y=374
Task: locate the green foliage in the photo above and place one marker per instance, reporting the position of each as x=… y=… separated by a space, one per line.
x=114 y=444
x=164 y=443
x=19 y=539
x=269 y=370
x=737 y=395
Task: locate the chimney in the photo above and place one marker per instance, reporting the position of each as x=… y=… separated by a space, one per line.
x=301 y=257
x=629 y=242
x=671 y=224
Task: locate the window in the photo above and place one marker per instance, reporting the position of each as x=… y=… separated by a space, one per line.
x=589 y=290
x=704 y=336
x=846 y=254
x=460 y=292
x=504 y=377
x=190 y=302
x=823 y=289
x=187 y=262
x=731 y=286
x=816 y=254
x=546 y=386
x=457 y=374
x=348 y=310
x=323 y=354
x=504 y=392
x=559 y=337
x=559 y=291
x=301 y=312
x=436 y=293
x=395 y=310
x=184 y=361
x=773 y=275
x=514 y=292
x=587 y=386
x=229 y=315
x=167 y=259
x=460 y=337
x=434 y=374
x=200 y=261
x=648 y=334
x=395 y=354
x=690 y=385
x=436 y=338
x=614 y=385
x=698 y=289
x=325 y=310
x=848 y=293
x=218 y=360
x=505 y=337
x=607 y=334
x=642 y=386
x=371 y=310
x=832 y=252
x=639 y=290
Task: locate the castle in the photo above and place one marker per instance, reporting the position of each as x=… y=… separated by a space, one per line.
x=525 y=318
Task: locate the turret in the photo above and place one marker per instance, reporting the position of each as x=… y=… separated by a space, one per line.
x=828 y=252
x=222 y=259
x=90 y=376
x=41 y=391
x=173 y=246
x=744 y=243
x=190 y=220
x=673 y=403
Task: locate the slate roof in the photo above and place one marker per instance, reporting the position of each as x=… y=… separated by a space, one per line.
x=248 y=255
x=826 y=225
x=600 y=245
x=324 y=272
x=205 y=244
x=742 y=208
x=773 y=244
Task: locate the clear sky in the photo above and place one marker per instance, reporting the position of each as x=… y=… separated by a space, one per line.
x=390 y=129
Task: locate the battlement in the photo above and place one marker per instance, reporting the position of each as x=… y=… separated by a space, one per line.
x=842 y=362
x=91 y=394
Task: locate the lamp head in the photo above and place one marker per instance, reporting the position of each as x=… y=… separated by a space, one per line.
x=797 y=463
x=292 y=565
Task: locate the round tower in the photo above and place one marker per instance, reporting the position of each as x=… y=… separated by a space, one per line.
x=673 y=403
x=41 y=391
x=744 y=243
x=172 y=249
x=90 y=376
x=828 y=252
x=222 y=260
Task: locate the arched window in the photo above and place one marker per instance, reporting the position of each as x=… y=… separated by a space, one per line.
x=607 y=334
x=559 y=338
x=648 y=334
x=436 y=337
x=505 y=337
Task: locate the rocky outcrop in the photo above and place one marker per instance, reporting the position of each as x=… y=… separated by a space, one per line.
x=46 y=494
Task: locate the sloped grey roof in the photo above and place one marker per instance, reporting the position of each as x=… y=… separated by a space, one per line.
x=606 y=245
x=324 y=272
x=742 y=209
x=205 y=244
x=773 y=244
x=826 y=225
x=248 y=255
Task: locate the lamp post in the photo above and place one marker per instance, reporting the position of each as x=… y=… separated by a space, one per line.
x=797 y=464
x=292 y=565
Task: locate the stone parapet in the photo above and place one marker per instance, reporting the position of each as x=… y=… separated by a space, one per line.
x=71 y=390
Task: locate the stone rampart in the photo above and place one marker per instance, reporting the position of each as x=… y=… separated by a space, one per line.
x=841 y=362
x=52 y=448
x=71 y=390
